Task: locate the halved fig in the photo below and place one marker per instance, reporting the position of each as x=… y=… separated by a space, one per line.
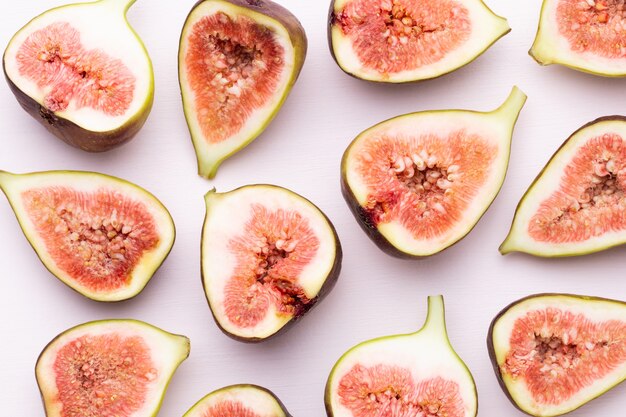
x=417 y=374
x=238 y=60
x=240 y=401
x=115 y=368
x=101 y=236
x=397 y=41
x=83 y=73
x=268 y=256
x=419 y=183
x=586 y=35
x=576 y=204
x=553 y=353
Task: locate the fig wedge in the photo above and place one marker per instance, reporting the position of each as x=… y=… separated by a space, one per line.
x=419 y=183
x=239 y=400
x=83 y=73
x=268 y=256
x=397 y=41
x=576 y=204
x=238 y=60
x=404 y=375
x=553 y=353
x=101 y=236
x=587 y=36
x=109 y=368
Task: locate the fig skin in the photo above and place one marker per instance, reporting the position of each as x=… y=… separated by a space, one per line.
x=501 y=249
x=492 y=351
x=331 y=19
x=327 y=287
x=299 y=41
x=74 y=135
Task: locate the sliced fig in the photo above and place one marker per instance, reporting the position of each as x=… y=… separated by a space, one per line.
x=238 y=60
x=418 y=374
x=102 y=236
x=553 y=353
x=587 y=35
x=398 y=41
x=83 y=73
x=576 y=204
x=268 y=256
x=419 y=183
x=240 y=401
x=115 y=368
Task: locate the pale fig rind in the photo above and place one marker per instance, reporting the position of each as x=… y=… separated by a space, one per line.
x=514 y=241
x=175 y=348
x=261 y=402
x=209 y=160
x=68 y=130
x=499 y=26
x=548 y=298
x=13 y=184
x=329 y=280
x=503 y=119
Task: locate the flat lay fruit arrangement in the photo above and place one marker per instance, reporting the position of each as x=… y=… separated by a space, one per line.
x=226 y=166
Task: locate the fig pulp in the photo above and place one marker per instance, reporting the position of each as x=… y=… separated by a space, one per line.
x=83 y=73
x=239 y=401
x=586 y=35
x=553 y=353
x=576 y=204
x=115 y=368
x=102 y=236
x=419 y=183
x=238 y=60
x=399 y=41
x=268 y=256
x=404 y=375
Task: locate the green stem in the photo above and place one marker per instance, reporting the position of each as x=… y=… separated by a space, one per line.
x=436 y=318
x=122 y=5
x=4 y=176
x=513 y=104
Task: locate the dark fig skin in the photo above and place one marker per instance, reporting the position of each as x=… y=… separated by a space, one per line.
x=327 y=287
x=229 y=387
x=492 y=351
x=617 y=118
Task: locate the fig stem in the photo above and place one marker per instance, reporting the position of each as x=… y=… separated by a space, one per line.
x=4 y=176
x=513 y=105
x=122 y=4
x=436 y=317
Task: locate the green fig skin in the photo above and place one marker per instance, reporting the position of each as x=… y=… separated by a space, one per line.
x=492 y=352
x=299 y=41
x=327 y=287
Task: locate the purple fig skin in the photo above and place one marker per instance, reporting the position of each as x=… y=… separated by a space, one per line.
x=492 y=351
x=329 y=283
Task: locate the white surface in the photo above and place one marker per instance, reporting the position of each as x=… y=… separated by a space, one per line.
x=376 y=295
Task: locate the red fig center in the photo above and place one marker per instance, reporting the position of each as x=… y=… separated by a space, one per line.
x=229 y=409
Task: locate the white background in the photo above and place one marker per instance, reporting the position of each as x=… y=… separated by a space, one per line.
x=376 y=295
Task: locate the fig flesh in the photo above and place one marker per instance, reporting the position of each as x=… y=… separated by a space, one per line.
x=268 y=256
x=404 y=375
x=399 y=41
x=109 y=368
x=83 y=73
x=588 y=36
x=102 y=236
x=576 y=204
x=553 y=353
x=241 y=401
x=419 y=183
x=238 y=60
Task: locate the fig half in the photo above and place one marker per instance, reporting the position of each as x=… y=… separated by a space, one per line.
x=397 y=41
x=576 y=204
x=239 y=400
x=238 y=60
x=109 y=368
x=268 y=256
x=553 y=353
x=419 y=183
x=404 y=375
x=102 y=236
x=83 y=73
x=587 y=35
